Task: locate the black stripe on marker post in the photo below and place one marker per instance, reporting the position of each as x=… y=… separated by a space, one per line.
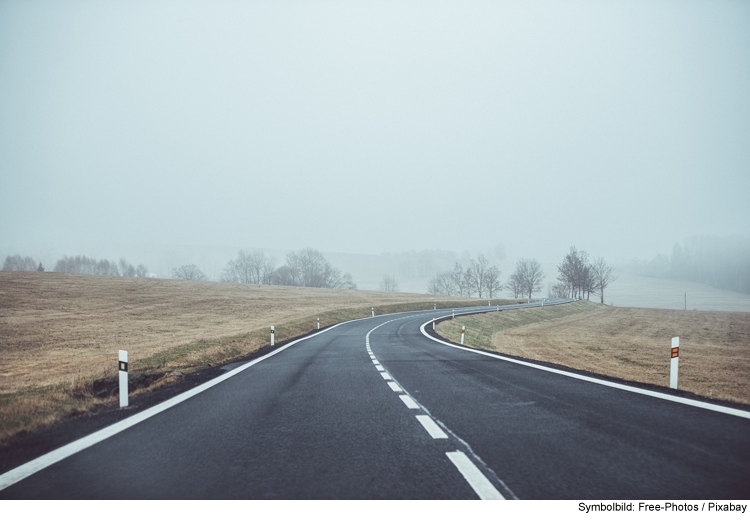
x=123 y=366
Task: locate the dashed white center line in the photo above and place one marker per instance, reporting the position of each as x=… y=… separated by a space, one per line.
x=432 y=428
x=481 y=485
x=476 y=479
x=411 y=404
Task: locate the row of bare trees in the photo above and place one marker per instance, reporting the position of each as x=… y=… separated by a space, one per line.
x=250 y=268
x=78 y=264
x=526 y=279
x=478 y=278
x=577 y=277
x=306 y=267
x=19 y=263
x=89 y=266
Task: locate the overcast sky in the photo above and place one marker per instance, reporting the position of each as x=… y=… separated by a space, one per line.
x=618 y=127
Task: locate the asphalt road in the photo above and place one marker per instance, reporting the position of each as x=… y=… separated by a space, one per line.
x=374 y=409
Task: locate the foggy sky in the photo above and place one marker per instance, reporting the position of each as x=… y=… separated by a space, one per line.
x=368 y=127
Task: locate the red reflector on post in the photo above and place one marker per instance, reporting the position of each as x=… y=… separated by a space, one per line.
x=676 y=352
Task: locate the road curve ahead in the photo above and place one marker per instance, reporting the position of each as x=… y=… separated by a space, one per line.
x=373 y=409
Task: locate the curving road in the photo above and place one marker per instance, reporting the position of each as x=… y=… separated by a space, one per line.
x=378 y=409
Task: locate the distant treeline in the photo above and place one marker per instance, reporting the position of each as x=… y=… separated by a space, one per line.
x=78 y=264
x=306 y=267
x=578 y=277
x=722 y=262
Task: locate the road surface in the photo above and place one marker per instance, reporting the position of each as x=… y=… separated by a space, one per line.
x=375 y=409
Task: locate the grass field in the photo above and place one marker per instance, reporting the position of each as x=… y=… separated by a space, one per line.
x=627 y=343
x=59 y=332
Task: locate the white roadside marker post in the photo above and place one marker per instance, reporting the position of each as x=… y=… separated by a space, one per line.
x=674 y=362
x=318 y=323
x=434 y=306
x=373 y=311
x=488 y=303
x=463 y=331
x=454 y=314
x=433 y=323
x=272 y=336
x=123 y=368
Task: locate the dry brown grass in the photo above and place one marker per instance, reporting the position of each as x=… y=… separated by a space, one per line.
x=627 y=343
x=59 y=332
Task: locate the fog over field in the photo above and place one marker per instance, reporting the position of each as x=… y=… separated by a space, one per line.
x=177 y=132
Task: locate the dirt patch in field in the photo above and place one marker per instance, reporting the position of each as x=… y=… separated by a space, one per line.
x=628 y=343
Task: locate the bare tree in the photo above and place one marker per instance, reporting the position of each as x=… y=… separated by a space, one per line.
x=389 y=284
x=267 y=270
x=514 y=284
x=478 y=274
x=239 y=270
x=19 y=263
x=492 y=281
x=283 y=276
x=458 y=279
x=189 y=272
x=602 y=276
x=308 y=267
x=576 y=272
x=126 y=269
x=442 y=284
x=469 y=282
x=530 y=276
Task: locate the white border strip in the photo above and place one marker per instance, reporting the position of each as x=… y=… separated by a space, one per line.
x=432 y=428
x=646 y=392
x=44 y=461
x=479 y=483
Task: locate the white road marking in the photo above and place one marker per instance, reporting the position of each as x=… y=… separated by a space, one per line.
x=386 y=376
x=21 y=472
x=375 y=362
x=61 y=453
x=645 y=392
x=479 y=483
x=432 y=428
x=394 y=386
x=380 y=369
x=411 y=404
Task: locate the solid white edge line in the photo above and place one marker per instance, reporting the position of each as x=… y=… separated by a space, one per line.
x=432 y=428
x=409 y=402
x=61 y=453
x=646 y=392
x=29 y=468
x=478 y=482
